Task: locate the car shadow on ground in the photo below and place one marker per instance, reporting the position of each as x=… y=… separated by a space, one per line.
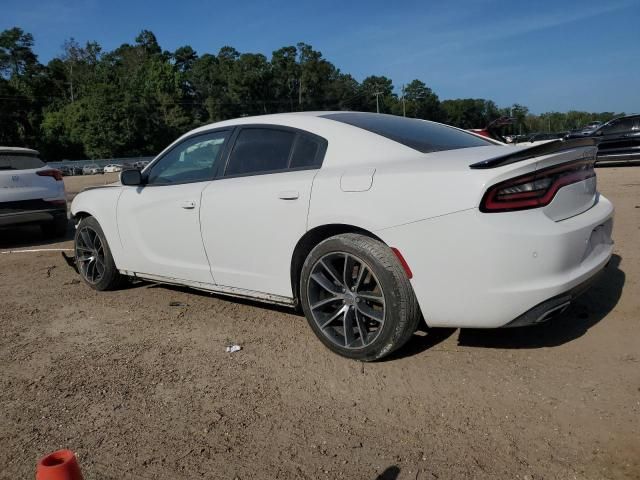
x=390 y=473
x=589 y=309
x=423 y=339
x=30 y=236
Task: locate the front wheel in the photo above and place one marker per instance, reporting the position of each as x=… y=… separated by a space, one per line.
x=357 y=297
x=93 y=256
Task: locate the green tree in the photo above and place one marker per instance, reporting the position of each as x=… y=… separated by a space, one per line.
x=419 y=101
x=16 y=53
x=470 y=112
x=376 y=93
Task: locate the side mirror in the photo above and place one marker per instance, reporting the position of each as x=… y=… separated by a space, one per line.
x=131 y=177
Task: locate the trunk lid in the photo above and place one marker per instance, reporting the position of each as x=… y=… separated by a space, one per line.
x=569 y=163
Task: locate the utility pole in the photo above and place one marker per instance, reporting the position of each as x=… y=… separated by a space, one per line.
x=71 y=78
x=377 y=94
x=300 y=93
x=404 y=109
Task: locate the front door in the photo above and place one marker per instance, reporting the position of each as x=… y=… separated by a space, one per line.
x=159 y=222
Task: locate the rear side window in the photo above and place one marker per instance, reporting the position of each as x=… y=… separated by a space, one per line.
x=417 y=134
x=260 y=150
x=306 y=152
x=10 y=161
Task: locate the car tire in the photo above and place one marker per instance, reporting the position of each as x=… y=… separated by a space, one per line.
x=56 y=228
x=93 y=257
x=377 y=311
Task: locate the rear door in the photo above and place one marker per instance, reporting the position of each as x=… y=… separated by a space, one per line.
x=254 y=214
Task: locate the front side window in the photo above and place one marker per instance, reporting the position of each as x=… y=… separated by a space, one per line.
x=259 y=150
x=190 y=161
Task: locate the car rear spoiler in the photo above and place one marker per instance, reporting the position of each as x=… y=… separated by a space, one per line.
x=535 y=151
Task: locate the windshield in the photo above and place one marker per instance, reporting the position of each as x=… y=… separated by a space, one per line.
x=420 y=135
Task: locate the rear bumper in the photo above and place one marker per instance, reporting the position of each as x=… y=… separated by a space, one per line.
x=30 y=211
x=484 y=270
x=554 y=306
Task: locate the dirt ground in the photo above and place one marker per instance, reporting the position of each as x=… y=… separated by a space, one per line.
x=141 y=389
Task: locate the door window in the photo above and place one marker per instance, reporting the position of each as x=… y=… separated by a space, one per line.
x=193 y=160
x=259 y=150
x=618 y=126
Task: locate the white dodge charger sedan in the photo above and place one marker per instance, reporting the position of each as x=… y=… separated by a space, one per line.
x=369 y=222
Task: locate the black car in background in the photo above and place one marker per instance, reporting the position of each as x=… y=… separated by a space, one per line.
x=618 y=139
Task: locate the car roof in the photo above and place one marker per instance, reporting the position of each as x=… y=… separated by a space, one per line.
x=338 y=134
x=348 y=144
x=19 y=150
x=623 y=117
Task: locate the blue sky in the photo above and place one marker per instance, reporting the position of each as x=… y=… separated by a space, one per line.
x=548 y=55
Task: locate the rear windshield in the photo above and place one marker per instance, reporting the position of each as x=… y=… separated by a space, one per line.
x=417 y=134
x=13 y=161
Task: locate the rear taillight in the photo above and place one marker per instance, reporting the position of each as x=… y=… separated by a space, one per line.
x=535 y=190
x=57 y=174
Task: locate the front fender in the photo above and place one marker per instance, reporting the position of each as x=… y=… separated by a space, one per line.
x=101 y=203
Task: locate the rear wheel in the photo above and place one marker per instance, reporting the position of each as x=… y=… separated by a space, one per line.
x=357 y=297
x=93 y=256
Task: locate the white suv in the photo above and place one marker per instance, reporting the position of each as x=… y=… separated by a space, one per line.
x=31 y=192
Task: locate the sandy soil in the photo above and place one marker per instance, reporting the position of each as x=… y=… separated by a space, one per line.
x=142 y=389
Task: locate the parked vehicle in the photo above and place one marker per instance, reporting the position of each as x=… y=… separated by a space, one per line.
x=31 y=192
x=70 y=169
x=618 y=140
x=540 y=137
x=591 y=126
x=91 y=169
x=493 y=129
x=369 y=222
x=112 y=168
x=65 y=170
x=140 y=164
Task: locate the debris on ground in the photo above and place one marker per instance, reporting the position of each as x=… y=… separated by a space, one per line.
x=233 y=348
x=177 y=304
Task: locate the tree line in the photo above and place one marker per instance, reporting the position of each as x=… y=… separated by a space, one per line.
x=90 y=103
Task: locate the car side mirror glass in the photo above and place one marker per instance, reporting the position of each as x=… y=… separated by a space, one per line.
x=131 y=177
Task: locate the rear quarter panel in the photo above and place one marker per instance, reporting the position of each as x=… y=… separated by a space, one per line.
x=404 y=188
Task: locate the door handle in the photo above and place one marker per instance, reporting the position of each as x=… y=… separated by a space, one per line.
x=188 y=204
x=288 y=195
